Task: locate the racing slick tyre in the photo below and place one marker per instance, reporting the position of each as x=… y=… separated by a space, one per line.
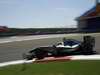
x=88 y=45
x=29 y=57
x=40 y=54
x=26 y=56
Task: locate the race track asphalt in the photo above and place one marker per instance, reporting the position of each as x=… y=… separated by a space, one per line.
x=13 y=50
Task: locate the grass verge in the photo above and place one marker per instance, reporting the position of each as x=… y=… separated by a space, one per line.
x=54 y=68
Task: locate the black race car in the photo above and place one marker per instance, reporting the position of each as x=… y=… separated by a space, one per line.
x=64 y=48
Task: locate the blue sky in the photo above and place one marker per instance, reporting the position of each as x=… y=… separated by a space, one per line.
x=42 y=13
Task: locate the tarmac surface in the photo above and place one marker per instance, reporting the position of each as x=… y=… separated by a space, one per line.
x=11 y=51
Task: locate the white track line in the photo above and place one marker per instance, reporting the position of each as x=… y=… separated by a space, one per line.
x=77 y=57
x=87 y=57
x=16 y=62
x=34 y=37
x=23 y=38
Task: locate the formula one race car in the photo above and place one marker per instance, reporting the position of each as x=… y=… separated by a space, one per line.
x=65 y=48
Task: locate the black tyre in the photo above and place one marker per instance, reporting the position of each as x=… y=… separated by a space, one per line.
x=88 y=45
x=28 y=57
x=40 y=54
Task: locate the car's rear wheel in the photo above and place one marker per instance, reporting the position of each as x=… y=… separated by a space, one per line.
x=88 y=45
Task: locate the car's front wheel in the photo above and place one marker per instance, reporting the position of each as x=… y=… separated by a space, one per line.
x=40 y=54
